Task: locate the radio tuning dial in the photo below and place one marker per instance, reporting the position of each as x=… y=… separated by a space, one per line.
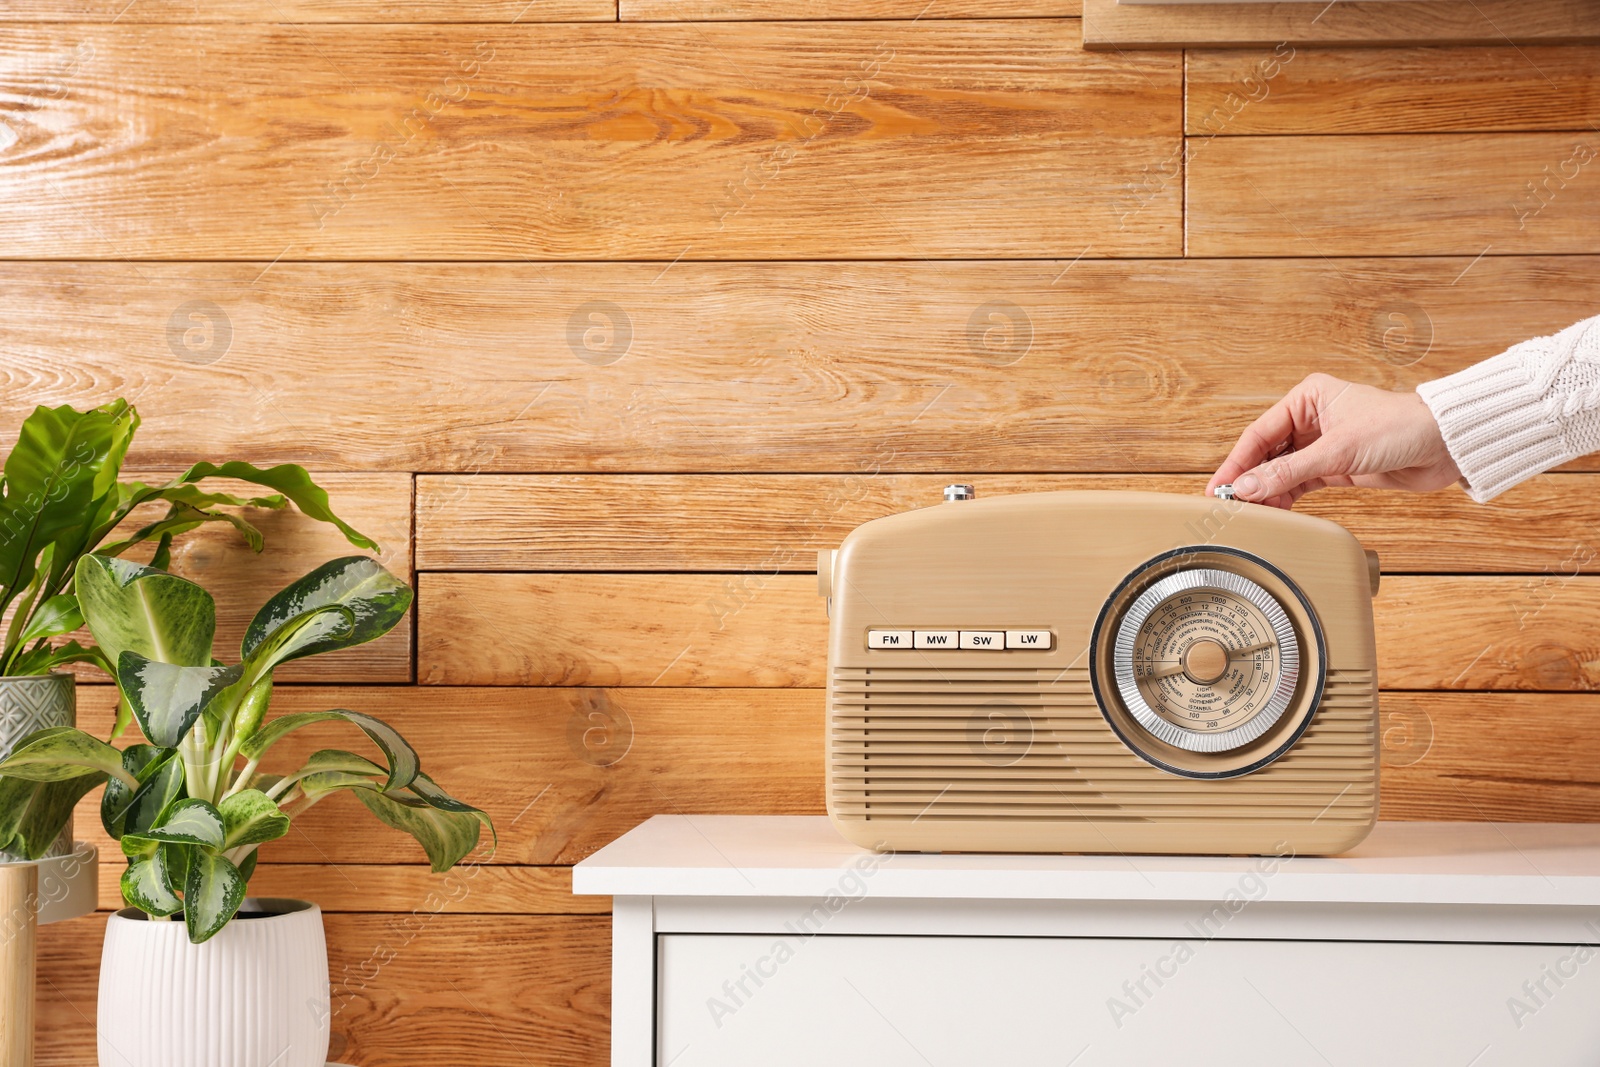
x=1198 y=657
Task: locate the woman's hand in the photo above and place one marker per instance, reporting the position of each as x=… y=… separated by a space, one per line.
x=1330 y=432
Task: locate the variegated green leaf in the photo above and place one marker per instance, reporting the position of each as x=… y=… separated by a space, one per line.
x=168 y=699
x=33 y=814
x=446 y=828
x=60 y=753
x=332 y=769
x=189 y=822
x=314 y=629
x=172 y=858
x=401 y=756
x=160 y=777
x=377 y=601
x=250 y=817
x=160 y=616
x=144 y=886
x=322 y=783
x=212 y=894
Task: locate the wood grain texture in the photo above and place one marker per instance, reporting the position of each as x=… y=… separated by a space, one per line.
x=659 y=141
x=1540 y=632
x=379 y=505
x=412 y=991
x=1434 y=632
x=1406 y=194
x=1109 y=24
x=939 y=367
x=756 y=525
x=478 y=889
x=712 y=10
x=142 y=12
x=1392 y=90
x=19 y=948
x=621 y=629
x=561 y=771
x=1512 y=757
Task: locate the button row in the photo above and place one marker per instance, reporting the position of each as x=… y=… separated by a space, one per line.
x=986 y=640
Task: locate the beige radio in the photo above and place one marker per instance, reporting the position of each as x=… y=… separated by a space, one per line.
x=1101 y=672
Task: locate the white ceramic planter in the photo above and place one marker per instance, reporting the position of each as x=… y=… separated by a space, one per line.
x=255 y=995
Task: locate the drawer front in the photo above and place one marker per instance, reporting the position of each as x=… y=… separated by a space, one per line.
x=739 y=1000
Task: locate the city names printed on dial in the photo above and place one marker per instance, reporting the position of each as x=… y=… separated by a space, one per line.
x=1198 y=621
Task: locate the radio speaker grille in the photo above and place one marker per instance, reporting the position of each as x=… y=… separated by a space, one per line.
x=1021 y=744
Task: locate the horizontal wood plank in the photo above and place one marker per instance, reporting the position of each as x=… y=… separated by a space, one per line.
x=622 y=630
x=1110 y=24
x=561 y=771
x=654 y=141
x=712 y=10
x=566 y=771
x=411 y=991
x=144 y=12
x=1455 y=632
x=1505 y=757
x=216 y=556
x=976 y=366
x=1408 y=194
x=1392 y=90
x=765 y=524
x=473 y=889
x=1538 y=632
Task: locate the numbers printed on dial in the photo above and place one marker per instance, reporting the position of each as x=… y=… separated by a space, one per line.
x=1206 y=660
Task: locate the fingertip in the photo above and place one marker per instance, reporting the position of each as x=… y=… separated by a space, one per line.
x=1247 y=487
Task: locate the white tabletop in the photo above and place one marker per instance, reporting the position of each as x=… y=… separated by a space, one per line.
x=802 y=856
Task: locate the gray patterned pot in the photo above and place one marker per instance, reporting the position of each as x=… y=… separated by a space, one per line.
x=31 y=703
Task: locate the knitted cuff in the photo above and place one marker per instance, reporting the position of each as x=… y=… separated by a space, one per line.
x=1495 y=426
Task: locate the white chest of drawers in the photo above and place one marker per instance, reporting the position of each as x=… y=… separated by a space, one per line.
x=769 y=941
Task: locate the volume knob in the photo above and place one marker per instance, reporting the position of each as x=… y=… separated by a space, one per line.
x=959 y=492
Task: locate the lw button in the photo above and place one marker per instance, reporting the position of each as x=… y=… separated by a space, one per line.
x=1037 y=640
x=938 y=638
x=888 y=638
x=983 y=639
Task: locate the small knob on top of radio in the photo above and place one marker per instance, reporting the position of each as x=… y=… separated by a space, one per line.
x=960 y=492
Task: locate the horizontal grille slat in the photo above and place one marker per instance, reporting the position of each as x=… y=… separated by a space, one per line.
x=966 y=744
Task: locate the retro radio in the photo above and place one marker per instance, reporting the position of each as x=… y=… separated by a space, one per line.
x=1101 y=672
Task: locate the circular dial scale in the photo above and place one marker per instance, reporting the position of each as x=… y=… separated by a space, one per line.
x=1206 y=660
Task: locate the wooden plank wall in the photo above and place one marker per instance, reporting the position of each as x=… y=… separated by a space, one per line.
x=603 y=321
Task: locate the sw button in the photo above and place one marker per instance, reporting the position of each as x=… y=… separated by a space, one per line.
x=987 y=639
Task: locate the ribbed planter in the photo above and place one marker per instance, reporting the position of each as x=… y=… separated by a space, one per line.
x=255 y=995
x=33 y=703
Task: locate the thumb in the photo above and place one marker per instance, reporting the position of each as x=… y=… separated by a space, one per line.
x=1280 y=477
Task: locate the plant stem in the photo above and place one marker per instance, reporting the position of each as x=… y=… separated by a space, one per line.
x=193 y=772
x=243 y=780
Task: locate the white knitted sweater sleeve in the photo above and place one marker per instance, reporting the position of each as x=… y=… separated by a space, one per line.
x=1532 y=407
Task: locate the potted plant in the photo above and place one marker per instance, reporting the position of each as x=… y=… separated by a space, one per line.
x=60 y=500
x=238 y=982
